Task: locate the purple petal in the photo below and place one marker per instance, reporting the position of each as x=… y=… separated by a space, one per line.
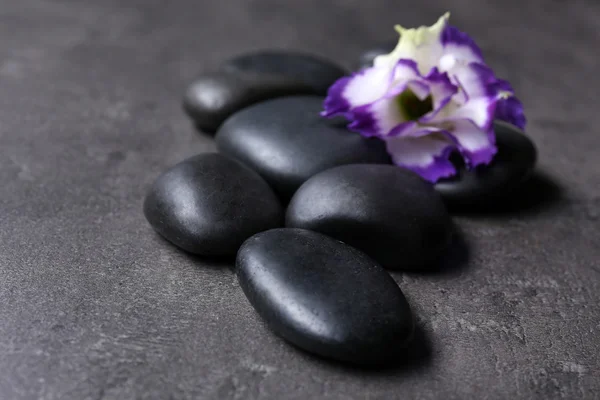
x=363 y=87
x=435 y=84
x=406 y=68
x=335 y=103
x=461 y=45
x=442 y=89
x=479 y=111
x=424 y=155
x=511 y=111
x=403 y=129
x=406 y=74
x=480 y=92
x=363 y=121
x=419 y=88
x=503 y=86
x=477 y=80
x=478 y=146
x=379 y=118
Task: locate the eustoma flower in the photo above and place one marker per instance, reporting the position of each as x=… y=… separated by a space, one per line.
x=431 y=96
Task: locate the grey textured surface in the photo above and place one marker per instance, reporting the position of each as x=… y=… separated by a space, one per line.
x=94 y=305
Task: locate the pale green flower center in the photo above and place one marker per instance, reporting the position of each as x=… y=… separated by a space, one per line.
x=411 y=107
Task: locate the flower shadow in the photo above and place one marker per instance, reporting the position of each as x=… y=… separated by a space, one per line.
x=540 y=193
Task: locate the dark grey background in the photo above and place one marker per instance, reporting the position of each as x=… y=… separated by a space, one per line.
x=93 y=305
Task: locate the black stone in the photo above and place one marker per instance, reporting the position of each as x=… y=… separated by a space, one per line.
x=209 y=204
x=215 y=96
x=324 y=296
x=287 y=141
x=366 y=59
x=386 y=211
x=485 y=186
x=316 y=72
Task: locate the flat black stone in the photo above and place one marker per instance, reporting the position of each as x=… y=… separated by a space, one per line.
x=316 y=72
x=287 y=141
x=209 y=204
x=485 y=186
x=366 y=59
x=324 y=296
x=215 y=96
x=388 y=212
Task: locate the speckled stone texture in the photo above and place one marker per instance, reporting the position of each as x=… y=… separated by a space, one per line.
x=95 y=305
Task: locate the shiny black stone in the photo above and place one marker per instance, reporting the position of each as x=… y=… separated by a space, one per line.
x=314 y=71
x=215 y=96
x=388 y=212
x=209 y=204
x=486 y=186
x=287 y=141
x=324 y=296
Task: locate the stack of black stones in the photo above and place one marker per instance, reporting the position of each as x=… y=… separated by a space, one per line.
x=315 y=213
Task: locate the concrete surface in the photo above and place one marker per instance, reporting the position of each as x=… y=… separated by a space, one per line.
x=94 y=305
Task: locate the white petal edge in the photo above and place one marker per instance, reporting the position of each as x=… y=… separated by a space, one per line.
x=367 y=86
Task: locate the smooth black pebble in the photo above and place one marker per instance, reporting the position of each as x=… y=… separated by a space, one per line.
x=388 y=212
x=486 y=186
x=209 y=204
x=314 y=71
x=215 y=96
x=287 y=141
x=324 y=296
x=366 y=59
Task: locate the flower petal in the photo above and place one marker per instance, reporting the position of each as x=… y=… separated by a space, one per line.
x=335 y=103
x=383 y=115
x=436 y=85
x=403 y=128
x=477 y=99
x=510 y=110
x=361 y=88
x=432 y=95
x=460 y=46
x=480 y=111
x=503 y=86
x=406 y=74
x=376 y=119
x=477 y=146
x=441 y=89
x=425 y=155
x=476 y=80
x=423 y=44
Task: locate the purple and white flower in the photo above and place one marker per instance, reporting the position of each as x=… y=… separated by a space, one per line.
x=431 y=96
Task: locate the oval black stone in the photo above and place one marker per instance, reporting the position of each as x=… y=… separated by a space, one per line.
x=366 y=59
x=213 y=97
x=485 y=186
x=324 y=296
x=287 y=141
x=316 y=72
x=388 y=212
x=209 y=204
